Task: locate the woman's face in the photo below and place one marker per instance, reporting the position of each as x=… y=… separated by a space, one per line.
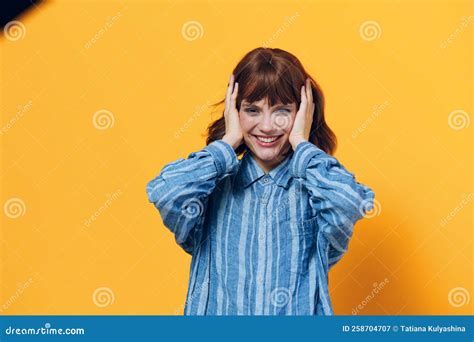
x=266 y=130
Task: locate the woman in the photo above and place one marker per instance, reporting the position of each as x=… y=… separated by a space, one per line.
x=263 y=231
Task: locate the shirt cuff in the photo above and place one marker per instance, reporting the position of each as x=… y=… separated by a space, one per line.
x=304 y=152
x=224 y=156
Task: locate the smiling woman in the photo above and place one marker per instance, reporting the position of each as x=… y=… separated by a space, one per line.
x=266 y=130
x=273 y=77
x=264 y=230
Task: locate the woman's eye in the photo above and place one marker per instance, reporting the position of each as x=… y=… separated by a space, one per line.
x=283 y=111
x=251 y=110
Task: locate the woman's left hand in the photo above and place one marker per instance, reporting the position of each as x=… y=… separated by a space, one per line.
x=304 y=117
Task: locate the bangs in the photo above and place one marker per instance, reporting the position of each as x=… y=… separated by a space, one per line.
x=267 y=82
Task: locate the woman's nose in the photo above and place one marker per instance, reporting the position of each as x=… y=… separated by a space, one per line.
x=267 y=124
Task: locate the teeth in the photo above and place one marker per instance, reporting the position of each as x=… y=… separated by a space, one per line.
x=267 y=140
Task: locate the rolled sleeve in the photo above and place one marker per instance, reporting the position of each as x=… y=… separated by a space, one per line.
x=304 y=152
x=224 y=157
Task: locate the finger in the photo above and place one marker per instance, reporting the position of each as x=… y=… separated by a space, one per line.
x=303 y=100
x=230 y=86
x=229 y=92
x=303 y=95
x=311 y=110
x=233 y=98
x=309 y=92
x=236 y=90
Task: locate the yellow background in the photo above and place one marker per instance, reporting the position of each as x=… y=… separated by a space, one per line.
x=132 y=59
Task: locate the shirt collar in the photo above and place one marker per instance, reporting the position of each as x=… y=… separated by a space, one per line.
x=250 y=171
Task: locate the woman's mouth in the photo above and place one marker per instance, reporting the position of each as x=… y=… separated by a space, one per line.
x=266 y=141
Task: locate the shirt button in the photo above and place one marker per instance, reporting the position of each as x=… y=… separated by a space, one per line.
x=260 y=280
x=265 y=180
x=261 y=237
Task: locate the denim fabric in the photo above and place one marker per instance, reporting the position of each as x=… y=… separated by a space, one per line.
x=261 y=244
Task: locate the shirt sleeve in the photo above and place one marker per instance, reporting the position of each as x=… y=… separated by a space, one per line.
x=339 y=200
x=181 y=191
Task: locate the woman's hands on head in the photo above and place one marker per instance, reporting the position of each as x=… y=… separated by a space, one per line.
x=301 y=126
x=233 y=131
x=304 y=117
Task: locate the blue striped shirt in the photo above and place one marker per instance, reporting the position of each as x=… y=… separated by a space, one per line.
x=261 y=243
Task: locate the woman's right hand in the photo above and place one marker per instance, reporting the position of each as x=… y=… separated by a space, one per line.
x=233 y=131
